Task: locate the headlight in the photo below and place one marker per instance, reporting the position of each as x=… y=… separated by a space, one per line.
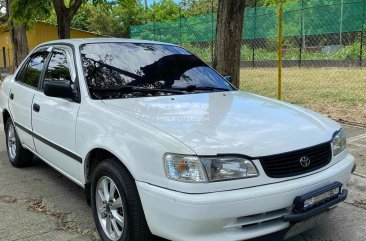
x=184 y=168
x=339 y=142
x=226 y=168
x=194 y=169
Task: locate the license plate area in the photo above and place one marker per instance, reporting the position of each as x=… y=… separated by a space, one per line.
x=316 y=198
x=307 y=224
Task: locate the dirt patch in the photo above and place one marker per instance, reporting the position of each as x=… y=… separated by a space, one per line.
x=64 y=221
x=359 y=204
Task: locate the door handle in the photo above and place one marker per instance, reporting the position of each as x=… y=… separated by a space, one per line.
x=36 y=107
x=11 y=96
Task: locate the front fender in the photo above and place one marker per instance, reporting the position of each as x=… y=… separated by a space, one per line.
x=138 y=145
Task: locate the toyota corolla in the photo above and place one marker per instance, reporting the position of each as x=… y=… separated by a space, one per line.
x=166 y=146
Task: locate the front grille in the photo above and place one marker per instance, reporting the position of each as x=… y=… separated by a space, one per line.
x=288 y=164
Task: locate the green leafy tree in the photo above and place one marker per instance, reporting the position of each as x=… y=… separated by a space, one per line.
x=117 y=17
x=164 y=10
x=81 y=19
x=3 y=13
x=17 y=32
x=129 y=13
x=28 y=12
x=193 y=7
x=110 y=25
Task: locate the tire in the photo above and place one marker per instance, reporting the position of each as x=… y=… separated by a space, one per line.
x=126 y=204
x=18 y=156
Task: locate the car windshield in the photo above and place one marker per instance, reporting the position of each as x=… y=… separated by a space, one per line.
x=126 y=70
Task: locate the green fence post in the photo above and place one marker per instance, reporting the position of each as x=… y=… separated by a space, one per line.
x=255 y=33
x=212 y=31
x=280 y=41
x=361 y=48
x=180 y=24
x=362 y=32
x=154 y=26
x=341 y=24
x=302 y=32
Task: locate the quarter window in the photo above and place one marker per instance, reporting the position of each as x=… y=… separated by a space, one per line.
x=58 y=69
x=32 y=72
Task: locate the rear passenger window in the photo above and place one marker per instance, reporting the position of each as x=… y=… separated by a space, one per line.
x=58 y=69
x=32 y=72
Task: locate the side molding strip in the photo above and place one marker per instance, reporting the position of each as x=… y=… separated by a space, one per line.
x=51 y=144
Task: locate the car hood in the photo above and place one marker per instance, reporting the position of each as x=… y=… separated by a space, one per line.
x=231 y=122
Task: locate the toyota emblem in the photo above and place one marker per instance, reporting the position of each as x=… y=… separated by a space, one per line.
x=305 y=161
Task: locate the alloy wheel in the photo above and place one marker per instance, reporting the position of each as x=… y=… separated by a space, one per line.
x=12 y=142
x=110 y=208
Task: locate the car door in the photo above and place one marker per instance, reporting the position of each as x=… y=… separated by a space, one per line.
x=21 y=95
x=54 y=119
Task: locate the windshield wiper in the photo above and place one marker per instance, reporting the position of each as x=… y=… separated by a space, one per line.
x=129 y=89
x=191 y=88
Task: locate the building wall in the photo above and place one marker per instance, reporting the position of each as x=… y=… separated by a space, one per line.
x=41 y=32
x=5 y=49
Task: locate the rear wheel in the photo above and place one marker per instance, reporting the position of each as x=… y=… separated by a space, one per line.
x=116 y=205
x=18 y=156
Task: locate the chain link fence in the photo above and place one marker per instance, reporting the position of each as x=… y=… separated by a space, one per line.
x=323 y=52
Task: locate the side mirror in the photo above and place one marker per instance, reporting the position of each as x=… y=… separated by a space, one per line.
x=229 y=79
x=59 y=89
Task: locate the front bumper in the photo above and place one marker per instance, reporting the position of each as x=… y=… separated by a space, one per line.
x=231 y=215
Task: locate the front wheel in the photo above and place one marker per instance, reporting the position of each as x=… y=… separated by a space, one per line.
x=116 y=205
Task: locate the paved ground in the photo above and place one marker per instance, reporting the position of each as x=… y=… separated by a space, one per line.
x=37 y=203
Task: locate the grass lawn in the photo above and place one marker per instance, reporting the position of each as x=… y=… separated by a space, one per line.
x=339 y=93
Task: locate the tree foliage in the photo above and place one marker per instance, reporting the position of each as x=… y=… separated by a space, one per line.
x=120 y=15
x=17 y=33
x=110 y=18
x=117 y=18
x=27 y=12
x=3 y=12
x=164 y=10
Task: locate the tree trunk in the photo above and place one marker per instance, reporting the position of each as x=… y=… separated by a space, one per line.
x=18 y=35
x=63 y=27
x=229 y=31
x=20 y=43
x=64 y=16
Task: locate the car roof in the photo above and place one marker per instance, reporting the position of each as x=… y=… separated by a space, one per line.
x=80 y=41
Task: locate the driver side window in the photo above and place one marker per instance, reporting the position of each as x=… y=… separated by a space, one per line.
x=31 y=73
x=58 y=68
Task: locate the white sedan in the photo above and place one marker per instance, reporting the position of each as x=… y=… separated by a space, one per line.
x=165 y=146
